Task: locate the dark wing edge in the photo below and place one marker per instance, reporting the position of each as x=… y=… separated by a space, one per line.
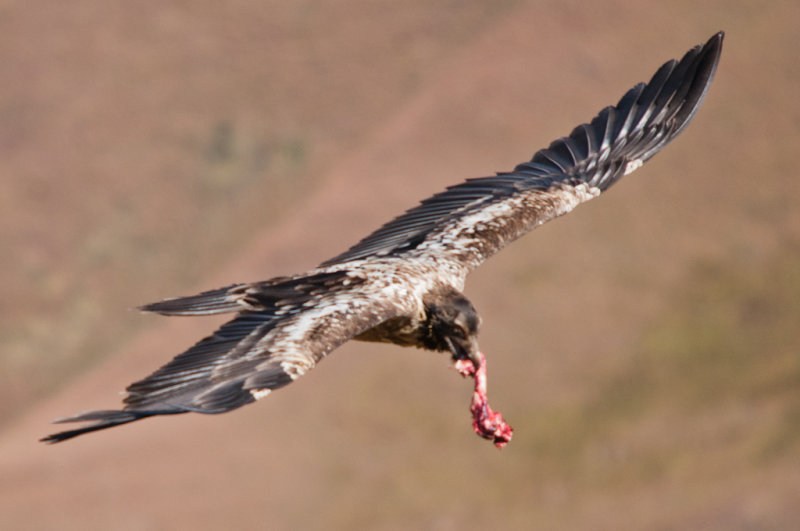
x=249 y=356
x=617 y=141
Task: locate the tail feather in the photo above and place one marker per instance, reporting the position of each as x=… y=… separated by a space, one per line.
x=102 y=420
x=211 y=302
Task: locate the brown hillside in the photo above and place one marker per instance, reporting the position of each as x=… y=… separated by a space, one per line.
x=643 y=347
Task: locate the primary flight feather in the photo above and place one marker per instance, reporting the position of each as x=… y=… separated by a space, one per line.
x=402 y=284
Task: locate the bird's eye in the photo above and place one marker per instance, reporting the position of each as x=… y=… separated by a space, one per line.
x=459 y=332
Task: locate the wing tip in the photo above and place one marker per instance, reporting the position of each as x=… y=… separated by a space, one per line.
x=101 y=420
x=716 y=39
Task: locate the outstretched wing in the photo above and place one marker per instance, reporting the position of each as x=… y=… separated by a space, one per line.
x=471 y=221
x=286 y=327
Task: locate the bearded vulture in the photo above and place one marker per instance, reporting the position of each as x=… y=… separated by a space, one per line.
x=403 y=283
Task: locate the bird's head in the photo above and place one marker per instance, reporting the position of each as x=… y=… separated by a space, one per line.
x=452 y=325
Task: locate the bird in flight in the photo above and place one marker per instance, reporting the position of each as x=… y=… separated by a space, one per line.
x=403 y=283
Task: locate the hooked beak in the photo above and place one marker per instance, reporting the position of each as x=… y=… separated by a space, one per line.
x=465 y=350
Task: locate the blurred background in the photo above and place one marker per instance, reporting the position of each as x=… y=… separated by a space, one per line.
x=645 y=347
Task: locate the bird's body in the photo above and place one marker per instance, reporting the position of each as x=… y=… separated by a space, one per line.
x=403 y=283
